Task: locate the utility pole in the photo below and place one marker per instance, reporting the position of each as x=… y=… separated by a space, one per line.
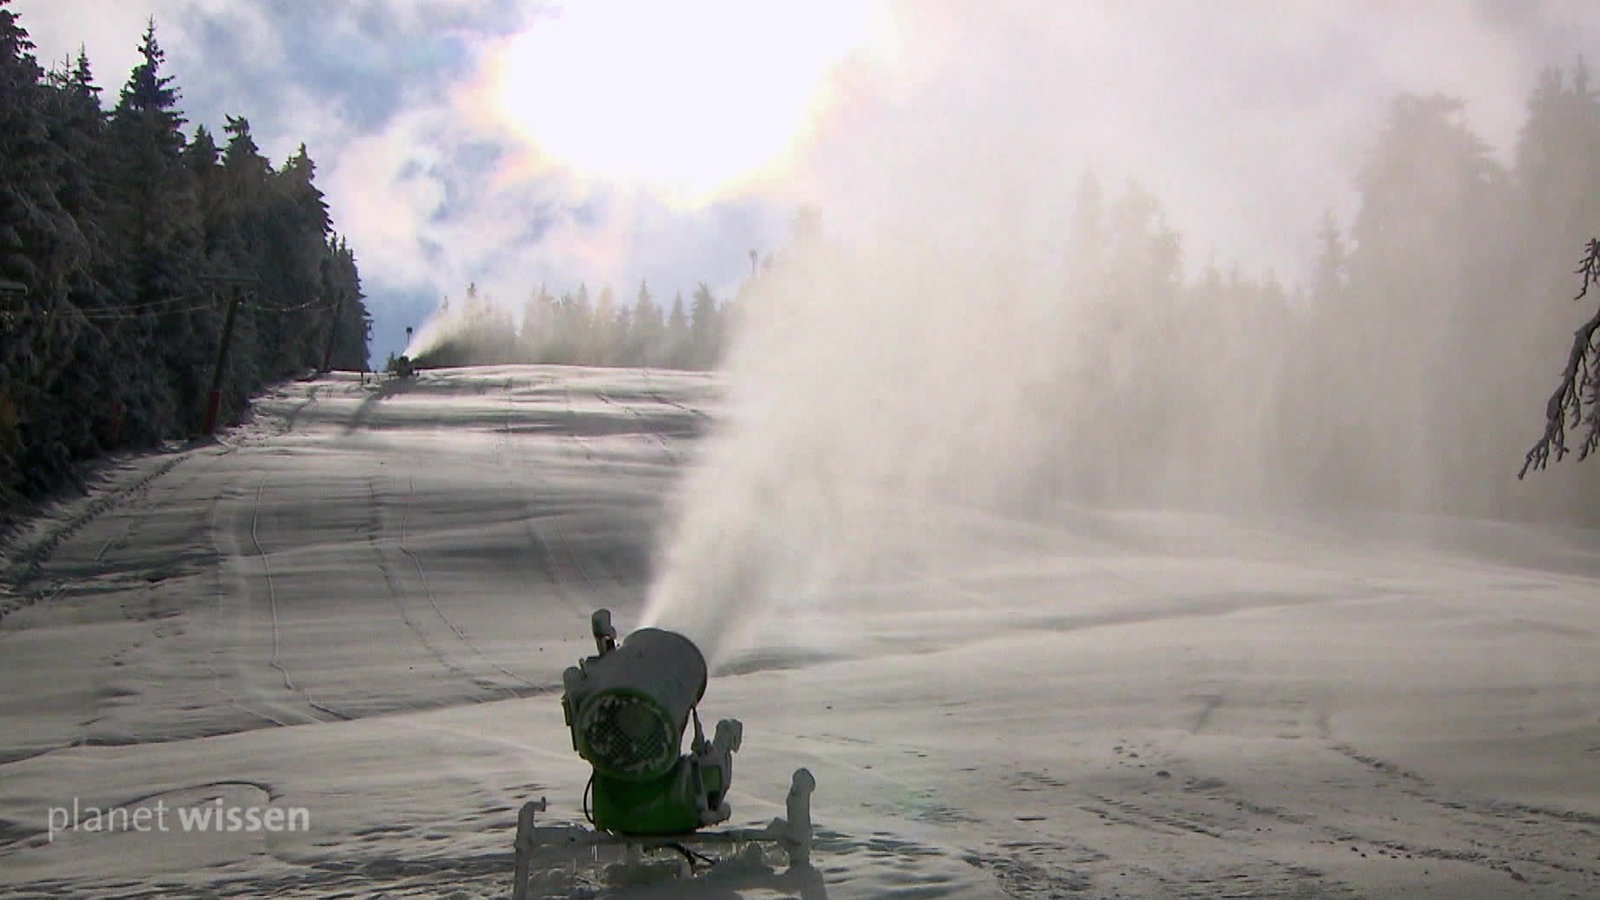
x=208 y=424
x=8 y=320
x=333 y=329
x=9 y=288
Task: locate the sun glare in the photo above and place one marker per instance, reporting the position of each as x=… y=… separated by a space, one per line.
x=692 y=98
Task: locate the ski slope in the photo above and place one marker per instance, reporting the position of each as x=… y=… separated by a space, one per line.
x=360 y=604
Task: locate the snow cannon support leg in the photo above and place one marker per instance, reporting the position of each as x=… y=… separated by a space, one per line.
x=794 y=834
x=525 y=845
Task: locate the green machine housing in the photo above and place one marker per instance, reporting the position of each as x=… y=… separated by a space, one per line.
x=628 y=707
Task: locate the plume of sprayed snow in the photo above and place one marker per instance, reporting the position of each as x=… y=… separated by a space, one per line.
x=472 y=330
x=870 y=391
x=947 y=359
x=431 y=333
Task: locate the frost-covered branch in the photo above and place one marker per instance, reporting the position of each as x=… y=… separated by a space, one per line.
x=1577 y=396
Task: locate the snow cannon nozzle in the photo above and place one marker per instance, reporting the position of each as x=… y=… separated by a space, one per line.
x=605 y=636
x=628 y=708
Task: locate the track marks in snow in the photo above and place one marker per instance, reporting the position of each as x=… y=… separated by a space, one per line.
x=1154 y=821
x=564 y=570
x=1209 y=703
x=1144 y=846
x=272 y=608
x=667 y=401
x=1419 y=787
x=482 y=876
x=293 y=416
x=573 y=431
x=1172 y=801
x=28 y=562
x=433 y=601
x=394 y=586
x=1126 y=812
x=224 y=614
x=1535 y=843
x=648 y=431
x=1038 y=869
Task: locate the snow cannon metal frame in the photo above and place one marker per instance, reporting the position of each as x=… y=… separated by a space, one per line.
x=628 y=707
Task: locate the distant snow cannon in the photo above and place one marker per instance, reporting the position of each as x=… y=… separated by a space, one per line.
x=628 y=707
x=405 y=366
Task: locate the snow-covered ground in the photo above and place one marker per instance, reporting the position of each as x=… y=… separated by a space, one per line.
x=360 y=605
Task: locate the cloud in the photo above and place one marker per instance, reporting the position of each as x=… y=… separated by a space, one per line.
x=431 y=193
x=1245 y=119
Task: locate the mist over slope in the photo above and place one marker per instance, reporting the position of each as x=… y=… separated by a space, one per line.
x=985 y=340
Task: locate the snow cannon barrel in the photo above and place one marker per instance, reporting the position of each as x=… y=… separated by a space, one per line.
x=628 y=708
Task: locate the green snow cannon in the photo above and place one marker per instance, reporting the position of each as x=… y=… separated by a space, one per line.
x=628 y=707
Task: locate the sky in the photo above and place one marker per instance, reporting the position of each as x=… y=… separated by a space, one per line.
x=511 y=144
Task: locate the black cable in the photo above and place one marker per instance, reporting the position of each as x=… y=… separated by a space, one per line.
x=106 y=315
x=115 y=313
x=692 y=855
x=299 y=306
x=145 y=306
x=162 y=307
x=587 y=787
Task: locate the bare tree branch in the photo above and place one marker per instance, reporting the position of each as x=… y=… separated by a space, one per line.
x=1578 y=394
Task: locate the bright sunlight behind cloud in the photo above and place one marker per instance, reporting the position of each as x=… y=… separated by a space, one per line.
x=691 y=99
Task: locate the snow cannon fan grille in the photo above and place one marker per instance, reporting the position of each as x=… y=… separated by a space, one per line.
x=628 y=734
x=628 y=707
